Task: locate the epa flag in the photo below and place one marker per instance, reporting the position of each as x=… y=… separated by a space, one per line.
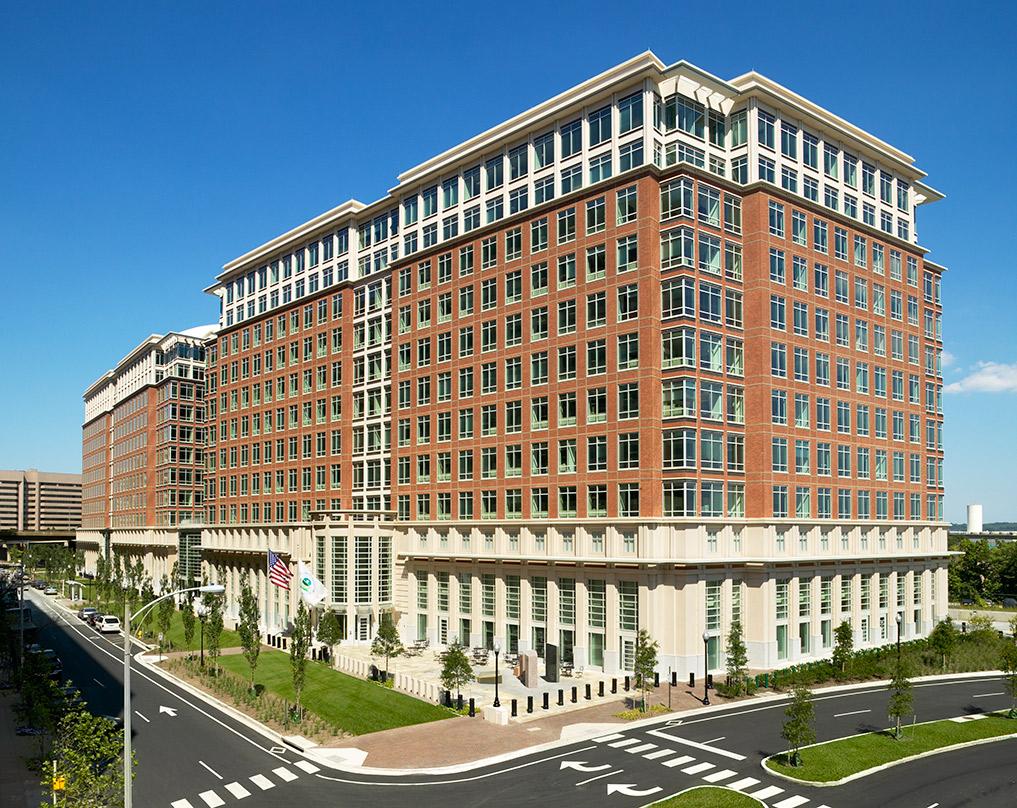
x=311 y=589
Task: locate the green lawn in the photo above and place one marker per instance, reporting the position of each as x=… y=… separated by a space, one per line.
x=228 y=638
x=354 y=705
x=709 y=797
x=838 y=759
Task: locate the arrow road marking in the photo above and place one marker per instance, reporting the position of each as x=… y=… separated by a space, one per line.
x=170 y=711
x=580 y=766
x=630 y=790
x=277 y=750
x=599 y=777
x=139 y=715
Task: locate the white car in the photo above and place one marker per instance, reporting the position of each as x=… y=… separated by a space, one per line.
x=50 y=590
x=109 y=624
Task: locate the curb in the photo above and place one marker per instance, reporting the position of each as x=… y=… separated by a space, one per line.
x=696 y=788
x=881 y=767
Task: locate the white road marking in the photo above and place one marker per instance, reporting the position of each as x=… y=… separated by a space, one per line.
x=598 y=777
x=203 y=763
x=678 y=761
x=723 y=774
x=741 y=785
x=307 y=766
x=237 y=790
x=181 y=804
x=986 y=695
x=791 y=802
x=643 y=747
x=934 y=805
x=262 y=782
x=212 y=800
x=284 y=774
x=659 y=754
x=699 y=767
x=766 y=793
x=695 y=745
x=624 y=742
x=139 y=715
x=102 y=685
x=607 y=738
x=853 y=712
x=721 y=738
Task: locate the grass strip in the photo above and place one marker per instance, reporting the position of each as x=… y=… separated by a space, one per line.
x=835 y=760
x=709 y=797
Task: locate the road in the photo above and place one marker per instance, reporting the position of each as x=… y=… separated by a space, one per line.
x=200 y=757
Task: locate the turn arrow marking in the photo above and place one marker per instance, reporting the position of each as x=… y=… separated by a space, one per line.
x=580 y=766
x=630 y=790
x=170 y=711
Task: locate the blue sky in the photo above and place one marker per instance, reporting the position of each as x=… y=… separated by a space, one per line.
x=144 y=146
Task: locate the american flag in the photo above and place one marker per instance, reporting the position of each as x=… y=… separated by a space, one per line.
x=278 y=571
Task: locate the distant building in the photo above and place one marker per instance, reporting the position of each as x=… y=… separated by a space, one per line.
x=39 y=500
x=974 y=518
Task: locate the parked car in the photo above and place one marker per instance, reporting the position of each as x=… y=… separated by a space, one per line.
x=94 y=619
x=38 y=583
x=110 y=624
x=85 y=613
x=50 y=590
x=1010 y=603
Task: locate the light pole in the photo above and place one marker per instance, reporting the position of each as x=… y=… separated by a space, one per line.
x=202 y=612
x=706 y=667
x=497 y=650
x=212 y=589
x=900 y=625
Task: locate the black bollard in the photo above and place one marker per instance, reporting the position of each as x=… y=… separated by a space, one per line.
x=674 y=678
x=459 y=699
x=626 y=684
x=515 y=708
x=547 y=700
x=473 y=708
x=589 y=691
x=575 y=694
x=709 y=681
x=614 y=685
x=529 y=704
x=656 y=679
x=561 y=697
x=600 y=688
x=448 y=698
x=692 y=679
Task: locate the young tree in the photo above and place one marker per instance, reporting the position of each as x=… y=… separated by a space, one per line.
x=188 y=620
x=213 y=627
x=901 y=697
x=164 y=615
x=147 y=596
x=943 y=638
x=979 y=623
x=1008 y=664
x=387 y=643
x=300 y=640
x=645 y=663
x=737 y=659
x=456 y=670
x=800 y=716
x=250 y=636
x=843 y=646
x=330 y=632
x=89 y=753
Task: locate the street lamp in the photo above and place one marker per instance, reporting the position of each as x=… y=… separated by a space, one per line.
x=202 y=612
x=706 y=667
x=497 y=650
x=900 y=625
x=211 y=589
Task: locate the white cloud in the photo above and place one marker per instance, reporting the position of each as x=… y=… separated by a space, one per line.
x=987 y=377
x=948 y=359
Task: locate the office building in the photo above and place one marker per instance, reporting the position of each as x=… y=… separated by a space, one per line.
x=39 y=500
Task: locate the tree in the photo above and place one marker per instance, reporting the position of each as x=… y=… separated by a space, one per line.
x=188 y=620
x=387 y=643
x=737 y=659
x=164 y=616
x=645 y=663
x=250 y=635
x=943 y=638
x=456 y=670
x=979 y=623
x=300 y=640
x=1013 y=626
x=901 y=697
x=213 y=627
x=147 y=596
x=843 y=646
x=799 y=718
x=330 y=632
x=89 y=753
x=1008 y=664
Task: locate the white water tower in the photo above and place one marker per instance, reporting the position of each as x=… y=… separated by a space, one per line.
x=974 y=518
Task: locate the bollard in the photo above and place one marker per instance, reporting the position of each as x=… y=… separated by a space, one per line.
x=626 y=684
x=515 y=709
x=692 y=679
x=473 y=708
x=284 y=643
x=547 y=700
x=600 y=688
x=656 y=679
x=459 y=700
x=709 y=681
x=575 y=696
x=674 y=678
x=614 y=685
x=589 y=691
x=529 y=704
x=561 y=697
x=964 y=627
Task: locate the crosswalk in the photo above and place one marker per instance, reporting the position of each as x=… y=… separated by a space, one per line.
x=238 y=791
x=706 y=771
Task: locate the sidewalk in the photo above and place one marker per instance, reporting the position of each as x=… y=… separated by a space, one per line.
x=19 y=788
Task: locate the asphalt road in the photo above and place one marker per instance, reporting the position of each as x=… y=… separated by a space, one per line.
x=200 y=757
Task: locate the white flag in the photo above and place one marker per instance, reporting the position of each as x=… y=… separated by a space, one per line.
x=311 y=589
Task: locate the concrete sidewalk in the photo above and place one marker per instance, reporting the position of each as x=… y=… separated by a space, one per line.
x=19 y=788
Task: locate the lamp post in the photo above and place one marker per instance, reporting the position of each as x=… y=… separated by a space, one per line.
x=202 y=612
x=706 y=667
x=900 y=625
x=213 y=589
x=497 y=650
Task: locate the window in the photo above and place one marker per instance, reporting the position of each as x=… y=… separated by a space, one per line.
x=630 y=113
x=600 y=126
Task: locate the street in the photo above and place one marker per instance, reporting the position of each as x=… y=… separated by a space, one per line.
x=191 y=755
